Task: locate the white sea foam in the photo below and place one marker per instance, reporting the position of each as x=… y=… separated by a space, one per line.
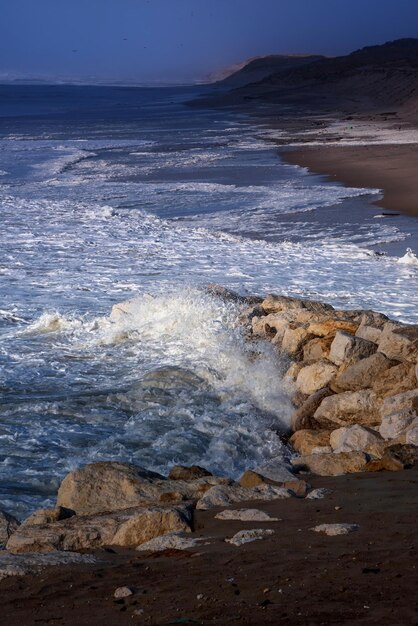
x=409 y=258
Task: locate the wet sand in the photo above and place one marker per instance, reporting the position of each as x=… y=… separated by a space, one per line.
x=392 y=168
x=295 y=577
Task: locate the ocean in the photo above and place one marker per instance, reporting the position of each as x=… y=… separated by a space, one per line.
x=113 y=193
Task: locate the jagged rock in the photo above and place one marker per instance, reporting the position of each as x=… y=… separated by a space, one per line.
x=411 y=435
x=224 y=495
x=397 y=379
x=317 y=348
x=46 y=516
x=388 y=462
x=269 y=326
x=369 y=333
x=348 y=348
x=399 y=403
x=333 y=464
x=294 y=338
x=229 y=295
x=245 y=515
x=349 y=407
x=275 y=470
x=8 y=525
x=111 y=486
x=362 y=374
x=357 y=437
x=298 y=399
x=395 y=424
x=171 y=541
x=32 y=564
x=330 y=327
x=181 y=472
x=335 y=529
x=293 y=371
x=399 y=342
x=129 y=527
x=276 y=304
x=318 y=494
x=304 y=441
x=313 y=377
x=303 y=417
x=246 y=536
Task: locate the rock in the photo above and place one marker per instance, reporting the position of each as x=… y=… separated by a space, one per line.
x=316 y=376
x=277 y=304
x=321 y=450
x=224 y=495
x=246 y=536
x=303 y=417
x=171 y=541
x=276 y=471
x=180 y=472
x=406 y=454
x=219 y=291
x=304 y=441
x=269 y=326
x=407 y=400
x=293 y=371
x=8 y=525
x=122 y=592
x=330 y=327
x=395 y=424
x=123 y=528
x=387 y=462
x=412 y=435
x=350 y=407
x=357 y=437
x=318 y=494
x=46 y=516
x=335 y=529
x=333 y=464
x=112 y=486
x=362 y=374
x=317 y=348
x=399 y=342
x=347 y=348
x=252 y=479
x=294 y=338
x=33 y=564
x=369 y=333
x=398 y=379
x=245 y=515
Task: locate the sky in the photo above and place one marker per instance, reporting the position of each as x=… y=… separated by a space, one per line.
x=183 y=41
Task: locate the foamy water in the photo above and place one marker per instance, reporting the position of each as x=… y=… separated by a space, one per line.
x=128 y=194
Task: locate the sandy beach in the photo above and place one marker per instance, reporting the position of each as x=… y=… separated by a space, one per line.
x=294 y=577
x=392 y=168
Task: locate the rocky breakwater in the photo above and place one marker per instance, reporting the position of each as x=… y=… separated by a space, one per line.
x=354 y=377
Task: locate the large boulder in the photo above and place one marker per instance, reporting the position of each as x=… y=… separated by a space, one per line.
x=399 y=342
x=35 y=564
x=397 y=379
x=357 y=437
x=303 y=417
x=348 y=348
x=182 y=472
x=400 y=402
x=315 y=376
x=330 y=464
x=111 y=486
x=395 y=424
x=305 y=441
x=8 y=525
x=330 y=327
x=349 y=407
x=317 y=348
x=294 y=338
x=276 y=304
x=129 y=528
x=362 y=374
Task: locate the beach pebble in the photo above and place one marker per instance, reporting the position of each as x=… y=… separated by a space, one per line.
x=246 y=515
x=318 y=494
x=170 y=541
x=246 y=536
x=199 y=596
x=123 y=592
x=335 y=529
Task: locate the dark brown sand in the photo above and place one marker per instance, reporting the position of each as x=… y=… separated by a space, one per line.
x=296 y=577
x=392 y=168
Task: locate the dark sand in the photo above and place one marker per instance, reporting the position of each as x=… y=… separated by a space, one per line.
x=296 y=577
x=392 y=168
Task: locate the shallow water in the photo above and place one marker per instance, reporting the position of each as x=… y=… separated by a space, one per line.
x=111 y=193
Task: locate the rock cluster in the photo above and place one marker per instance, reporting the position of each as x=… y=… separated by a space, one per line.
x=354 y=378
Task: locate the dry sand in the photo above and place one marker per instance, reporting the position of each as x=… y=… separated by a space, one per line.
x=295 y=577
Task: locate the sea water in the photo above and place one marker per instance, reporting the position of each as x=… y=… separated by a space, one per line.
x=108 y=194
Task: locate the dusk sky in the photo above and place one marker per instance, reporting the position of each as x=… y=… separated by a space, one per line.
x=183 y=40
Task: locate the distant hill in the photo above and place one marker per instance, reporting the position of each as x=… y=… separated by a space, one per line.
x=375 y=77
